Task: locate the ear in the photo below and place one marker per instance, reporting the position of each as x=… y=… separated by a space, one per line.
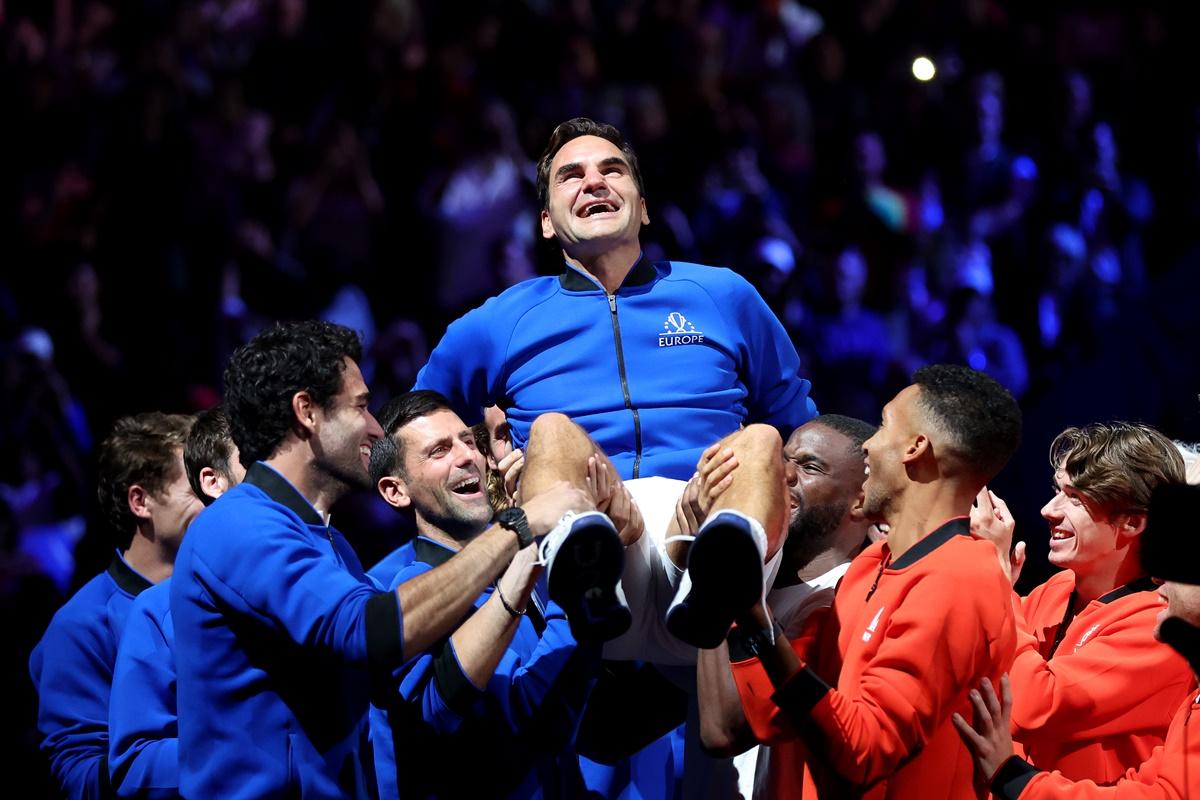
x=856 y=513
x=645 y=216
x=213 y=483
x=1132 y=524
x=394 y=491
x=139 y=501
x=547 y=225
x=916 y=448
x=304 y=411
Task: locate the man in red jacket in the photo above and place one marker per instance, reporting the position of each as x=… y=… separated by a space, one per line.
x=918 y=619
x=1085 y=647
x=1172 y=551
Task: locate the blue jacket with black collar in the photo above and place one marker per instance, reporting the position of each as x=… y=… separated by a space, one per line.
x=278 y=636
x=442 y=736
x=680 y=356
x=72 y=670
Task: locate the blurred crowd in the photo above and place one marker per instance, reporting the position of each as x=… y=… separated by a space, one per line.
x=178 y=175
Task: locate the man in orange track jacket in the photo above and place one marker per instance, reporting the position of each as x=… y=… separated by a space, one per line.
x=918 y=620
x=1093 y=690
x=1172 y=772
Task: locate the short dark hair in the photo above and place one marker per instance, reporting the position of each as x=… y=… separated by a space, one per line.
x=854 y=429
x=142 y=449
x=210 y=444
x=387 y=453
x=265 y=373
x=1117 y=465
x=981 y=416
x=573 y=129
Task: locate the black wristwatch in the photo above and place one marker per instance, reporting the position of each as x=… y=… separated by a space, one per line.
x=514 y=520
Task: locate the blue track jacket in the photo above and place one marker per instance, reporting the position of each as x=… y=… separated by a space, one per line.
x=143 y=728
x=443 y=737
x=276 y=625
x=680 y=356
x=72 y=670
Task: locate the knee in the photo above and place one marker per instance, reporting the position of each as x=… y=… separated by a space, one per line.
x=551 y=426
x=759 y=438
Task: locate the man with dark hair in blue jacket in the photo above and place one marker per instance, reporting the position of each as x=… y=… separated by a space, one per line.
x=509 y=685
x=279 y=635
x=655 y=361
x=148 y=504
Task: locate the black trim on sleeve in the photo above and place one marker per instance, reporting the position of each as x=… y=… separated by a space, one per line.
x=1012 y=778
x=126 y=578
x=385 y=644
x=799 y=694
x=452 y=683
x=745 y=644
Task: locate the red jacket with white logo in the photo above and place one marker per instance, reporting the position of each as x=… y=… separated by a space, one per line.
x=1171 y=773
x=1094 y=694
x=903 y=645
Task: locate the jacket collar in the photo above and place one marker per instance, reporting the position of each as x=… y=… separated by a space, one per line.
x=431 y=552
x=126 y=577
x=573 y=280
x=959 y=526
x=280 y=489
x=1143 y=584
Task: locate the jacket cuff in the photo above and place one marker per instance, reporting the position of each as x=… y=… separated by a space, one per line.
x=452 y=683
x=385 y=633
x=799 y=694
x=1012 y=778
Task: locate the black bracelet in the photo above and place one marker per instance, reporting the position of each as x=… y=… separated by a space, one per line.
x=507 y=607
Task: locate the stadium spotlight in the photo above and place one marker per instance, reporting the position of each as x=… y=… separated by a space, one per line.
x=923 y=69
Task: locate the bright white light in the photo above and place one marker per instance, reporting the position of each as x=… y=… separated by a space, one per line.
x=923 y=69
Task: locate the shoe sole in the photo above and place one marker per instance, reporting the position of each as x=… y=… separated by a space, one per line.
x=727 y=574
x=583 y=581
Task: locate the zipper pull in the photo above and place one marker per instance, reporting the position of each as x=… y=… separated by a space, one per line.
x=612 y=303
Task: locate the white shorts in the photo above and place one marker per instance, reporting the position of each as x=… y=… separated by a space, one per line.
x=650 y=580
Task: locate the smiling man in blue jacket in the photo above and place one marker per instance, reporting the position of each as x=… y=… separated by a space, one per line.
x=279 y=635
x=509 y=685
x=143 y=722
x=148 y=504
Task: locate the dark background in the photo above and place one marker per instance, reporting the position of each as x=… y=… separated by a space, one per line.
x=175 y=176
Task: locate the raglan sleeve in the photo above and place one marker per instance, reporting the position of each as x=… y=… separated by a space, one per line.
x=1079 y=691
x=143 y=722
x=1172 y=772
x=312 y=599
x=72 y=670
x=467 y=364
x=770 y=366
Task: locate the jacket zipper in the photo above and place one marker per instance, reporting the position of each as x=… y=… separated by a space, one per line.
x=637 y=421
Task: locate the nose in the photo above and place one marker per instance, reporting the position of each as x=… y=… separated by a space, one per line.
x=1050 y=511
x=791 y=474
x=463 y=453
x=374 y=431
x=594 y=181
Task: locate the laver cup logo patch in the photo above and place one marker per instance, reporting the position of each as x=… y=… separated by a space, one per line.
x=677 y=330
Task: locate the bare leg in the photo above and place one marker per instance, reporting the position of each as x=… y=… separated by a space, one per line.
x=558 y=450
x=757 y=489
